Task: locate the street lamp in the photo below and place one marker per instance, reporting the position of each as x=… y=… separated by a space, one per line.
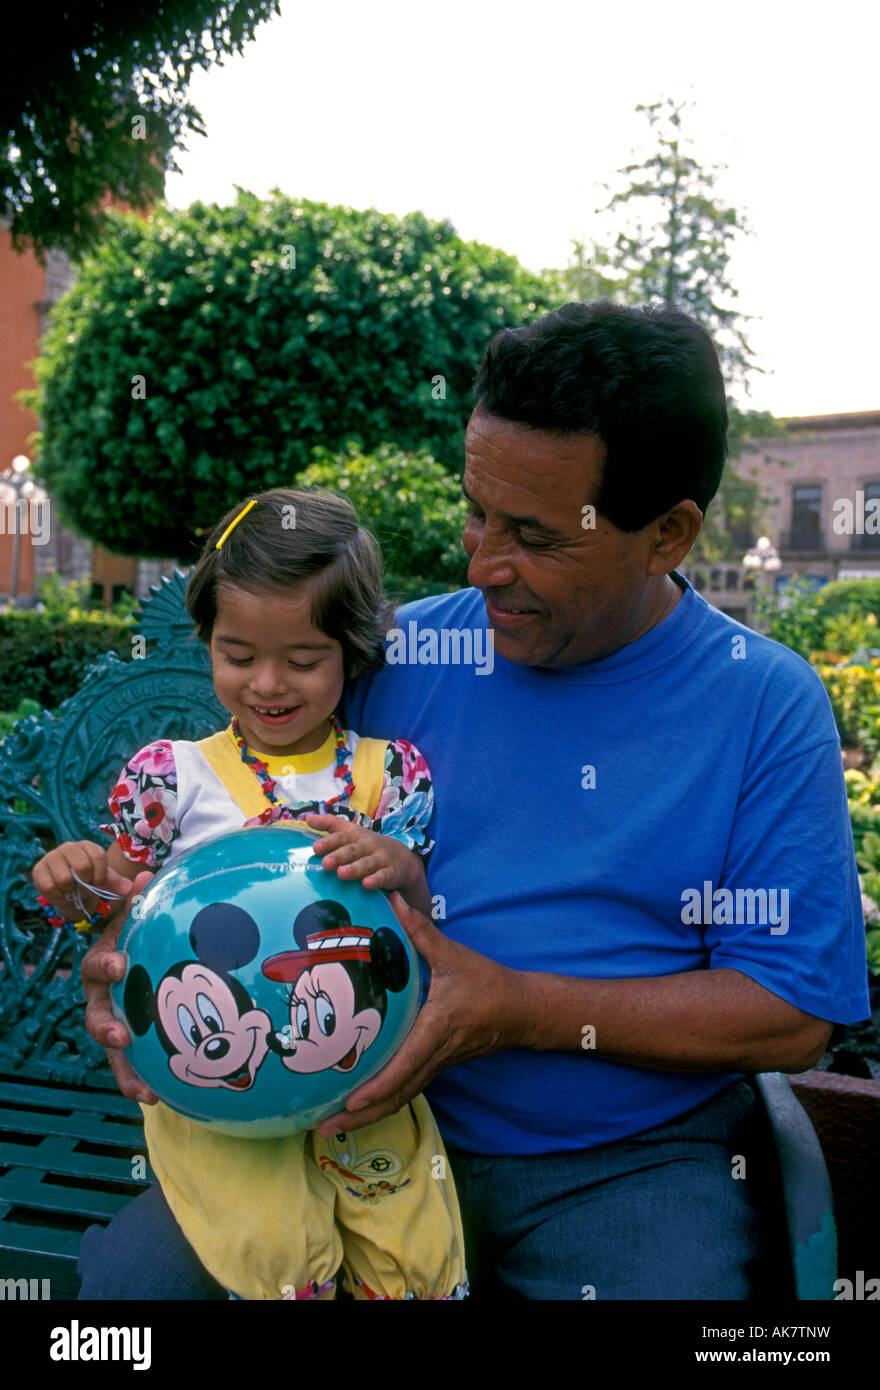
x=16 y=485
x=763 y=556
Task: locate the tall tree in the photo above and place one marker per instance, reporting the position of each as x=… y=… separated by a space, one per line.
x=673 y=243
x=93 y=101
x=205 y=354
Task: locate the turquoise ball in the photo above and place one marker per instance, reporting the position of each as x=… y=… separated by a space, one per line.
x=261 y=989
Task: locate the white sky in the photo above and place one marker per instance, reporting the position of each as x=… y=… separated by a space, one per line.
x=506 y=116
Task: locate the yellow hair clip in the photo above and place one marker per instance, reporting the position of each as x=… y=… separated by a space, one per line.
x=232 y=525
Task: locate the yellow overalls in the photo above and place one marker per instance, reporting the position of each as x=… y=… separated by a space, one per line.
x=282 y=1218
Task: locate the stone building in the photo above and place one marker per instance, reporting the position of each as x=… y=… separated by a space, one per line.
x=27 y=292
x=823 y=477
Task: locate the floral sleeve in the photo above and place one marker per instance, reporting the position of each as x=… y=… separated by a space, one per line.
x=143 y=805
x=407 y=799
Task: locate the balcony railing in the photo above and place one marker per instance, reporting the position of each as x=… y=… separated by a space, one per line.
x=803 y=542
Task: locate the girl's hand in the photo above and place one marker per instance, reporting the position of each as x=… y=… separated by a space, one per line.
x=101 y=966
x=355 y=853
x=53 y=877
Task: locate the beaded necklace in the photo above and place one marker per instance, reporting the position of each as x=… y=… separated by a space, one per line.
x=261 y=771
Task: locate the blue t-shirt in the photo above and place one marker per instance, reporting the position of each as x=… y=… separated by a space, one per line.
x=587 y=821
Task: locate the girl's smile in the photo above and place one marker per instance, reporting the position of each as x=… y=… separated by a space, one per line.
x=274 y=670
x=275 y=718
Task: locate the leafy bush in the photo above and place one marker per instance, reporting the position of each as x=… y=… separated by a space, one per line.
x=850 y=636
x=839 y=619
x=840 y=636
x=72 y=598
x=854 y=692
x=412 y=505
x=850 y=596
x=43 y=657
x=64 y=599
x=202 y=355
x=861 y=788
x=863 y=794
x=799 y=623
x=10 y=717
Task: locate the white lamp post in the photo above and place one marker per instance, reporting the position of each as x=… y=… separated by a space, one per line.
x=763 y=556
x=16 y=485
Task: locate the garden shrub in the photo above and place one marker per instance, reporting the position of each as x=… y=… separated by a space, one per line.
x=863 y=796
x=413 y=506
x=849 y=595
x=854 y=691
x=200 y=356
x=10 y=717
x=44 y=657
x=799 y=624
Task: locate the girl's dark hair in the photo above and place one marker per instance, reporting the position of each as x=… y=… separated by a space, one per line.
x=646 y=381
x=291 y=538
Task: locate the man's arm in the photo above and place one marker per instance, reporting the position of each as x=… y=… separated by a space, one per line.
x=706 y=1020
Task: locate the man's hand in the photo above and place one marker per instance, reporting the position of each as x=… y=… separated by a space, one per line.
x=473 y=1008
x=101 y=967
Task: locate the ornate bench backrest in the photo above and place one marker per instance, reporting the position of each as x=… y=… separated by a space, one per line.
x=55 y=774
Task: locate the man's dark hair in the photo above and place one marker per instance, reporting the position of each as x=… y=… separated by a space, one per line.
x=297 y=537
x=646 y=381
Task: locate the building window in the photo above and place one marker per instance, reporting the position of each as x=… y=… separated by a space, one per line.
x=869 y=540
x=742 y=537
x=806 y=531
x=731 y=579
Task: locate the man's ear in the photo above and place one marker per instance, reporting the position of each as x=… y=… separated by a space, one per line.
x=675 y=534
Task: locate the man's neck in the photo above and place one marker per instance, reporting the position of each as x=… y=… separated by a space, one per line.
x=679 y=589
x=668 y=598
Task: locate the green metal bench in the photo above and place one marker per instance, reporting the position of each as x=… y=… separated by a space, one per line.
x=71 y=1147
x=807 y=1201
x=69 y=1156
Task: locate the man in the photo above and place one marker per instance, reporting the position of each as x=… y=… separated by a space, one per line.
x=644 y=880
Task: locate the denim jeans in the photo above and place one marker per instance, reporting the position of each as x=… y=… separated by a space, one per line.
x=688 y=1210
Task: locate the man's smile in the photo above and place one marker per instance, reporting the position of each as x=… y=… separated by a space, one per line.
x=506 y=613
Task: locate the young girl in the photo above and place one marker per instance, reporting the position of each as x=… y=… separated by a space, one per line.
x=287 y=597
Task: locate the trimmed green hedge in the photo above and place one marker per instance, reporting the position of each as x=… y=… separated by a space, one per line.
x=413 y=506
x=43 y=657
x=200 y=357
x=843 y=595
